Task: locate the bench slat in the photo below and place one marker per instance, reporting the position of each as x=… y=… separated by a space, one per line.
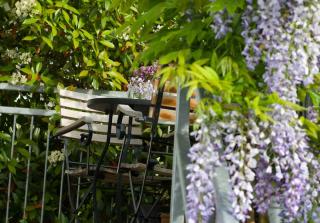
x=97 y=127
x=85 y=95
x=102 y=138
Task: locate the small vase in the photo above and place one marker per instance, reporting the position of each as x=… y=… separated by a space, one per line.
x=140 y=90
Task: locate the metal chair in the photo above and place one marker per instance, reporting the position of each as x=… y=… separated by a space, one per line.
x=87 y=126
x=162 y=112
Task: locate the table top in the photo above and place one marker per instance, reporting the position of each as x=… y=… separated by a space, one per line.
x=107 y=104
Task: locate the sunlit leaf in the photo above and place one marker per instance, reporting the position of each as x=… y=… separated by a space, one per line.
x=47 y=41
x=84 y=73
x=29 y=38
x=107 y=43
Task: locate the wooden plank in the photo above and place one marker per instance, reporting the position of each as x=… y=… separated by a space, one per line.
x=79 y=105
x=101 y=138
x=111 y=176
x=99 y=127
x=96 y=117
x=85 y=95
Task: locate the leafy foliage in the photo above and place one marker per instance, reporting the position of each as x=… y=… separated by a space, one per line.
x=71 y=42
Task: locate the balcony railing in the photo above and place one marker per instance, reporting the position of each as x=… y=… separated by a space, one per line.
x=24 y=142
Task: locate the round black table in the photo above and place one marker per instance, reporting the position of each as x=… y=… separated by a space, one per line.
x=109 y=104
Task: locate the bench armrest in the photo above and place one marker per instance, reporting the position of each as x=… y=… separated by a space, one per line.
x=128 y=111
x=75 y=125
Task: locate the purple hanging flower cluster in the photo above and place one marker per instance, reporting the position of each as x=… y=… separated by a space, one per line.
x=286 y=34
x=312 y=114
x=221 y=24
x=233 y=139
x=146 y=72
x=266 y=161
x=204 y=157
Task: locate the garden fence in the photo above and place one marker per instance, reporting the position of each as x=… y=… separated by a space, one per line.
x=25 y=142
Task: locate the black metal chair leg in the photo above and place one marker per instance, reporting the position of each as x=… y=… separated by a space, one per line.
x=123 y=155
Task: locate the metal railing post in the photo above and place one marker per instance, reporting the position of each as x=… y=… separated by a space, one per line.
x=28 y=169
x=180 y=159
x=61 y=187
x=10 y=175
x=45 y=176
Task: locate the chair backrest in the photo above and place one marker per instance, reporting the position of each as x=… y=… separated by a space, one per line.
x=73 y=106
x=167 y=114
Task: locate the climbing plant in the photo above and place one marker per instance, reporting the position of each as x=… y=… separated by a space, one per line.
x=257 y=63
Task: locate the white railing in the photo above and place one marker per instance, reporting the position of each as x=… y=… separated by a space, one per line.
x=30 y=116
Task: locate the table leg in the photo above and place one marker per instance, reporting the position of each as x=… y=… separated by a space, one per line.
x=94 y=199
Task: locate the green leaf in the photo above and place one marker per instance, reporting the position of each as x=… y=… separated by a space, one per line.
x=312 y=128
x=75 y=33
x=53 y=31
x=4 y=79
x=230 y=5
x=29 y=38
x=66 y=6
x=47 y=41
x=106 y=33
x=27 y=70
x=107 y=43
x=112 y=63
x=30 y=21
x=291 y=105
x=48 y=81
x=80 y=23
x=75 y=43
x=191 y=90
x=88 y=62
x=169 y=57
x=95 y=84
x=117 y=76
x=66 y=16
x=87 y=34
x=104 y=22
x=84 y=73
x=75 y=20
x=11 y=167
x=5 y=136
x=62 y=25
x=38 y=67
x=23 y=152
x=315 y=98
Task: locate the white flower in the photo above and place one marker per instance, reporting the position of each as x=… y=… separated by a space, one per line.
x=55 y=157
x=18 y=78
x=24 y=7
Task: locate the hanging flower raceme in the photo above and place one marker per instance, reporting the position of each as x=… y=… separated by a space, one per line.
x=233 y=139
x=221 y=24
x=266 y=160
x=286 y=34
x=204 y=157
